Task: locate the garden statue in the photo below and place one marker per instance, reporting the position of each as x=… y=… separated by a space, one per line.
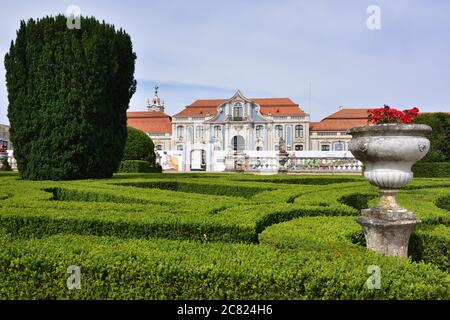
x=283 y=157
x=388 y=149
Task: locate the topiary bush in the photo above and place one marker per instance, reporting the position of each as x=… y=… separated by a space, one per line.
x=68 y=94
x=5 y=166
x=138 y=166
x=139 y=146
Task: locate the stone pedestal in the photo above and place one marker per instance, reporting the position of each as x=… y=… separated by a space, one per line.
x=282 y=160
x=229 y=163
x=387 y=226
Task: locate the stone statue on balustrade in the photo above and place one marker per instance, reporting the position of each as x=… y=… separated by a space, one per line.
x=283 y=156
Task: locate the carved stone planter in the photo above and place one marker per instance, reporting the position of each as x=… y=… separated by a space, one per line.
x=388 y=152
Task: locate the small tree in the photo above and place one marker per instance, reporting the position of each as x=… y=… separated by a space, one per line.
x=68 y=93
x=139 y=146
x=440 y=137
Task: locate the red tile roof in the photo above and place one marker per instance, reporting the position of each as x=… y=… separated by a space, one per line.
x=342 y=120
x=351 y=113
x=275 y=106
x=150 y=122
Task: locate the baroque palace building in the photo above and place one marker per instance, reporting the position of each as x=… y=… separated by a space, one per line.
x=206 y=130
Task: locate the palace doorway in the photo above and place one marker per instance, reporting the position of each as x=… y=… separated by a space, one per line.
x=198 y=160
x=238 y=143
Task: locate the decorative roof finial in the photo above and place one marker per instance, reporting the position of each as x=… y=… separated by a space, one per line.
x=155 y=103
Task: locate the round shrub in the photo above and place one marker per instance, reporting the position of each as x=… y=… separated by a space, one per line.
x=139 y=146
x=68 y=92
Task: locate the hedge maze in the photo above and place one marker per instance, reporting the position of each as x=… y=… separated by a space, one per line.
x=214 y=236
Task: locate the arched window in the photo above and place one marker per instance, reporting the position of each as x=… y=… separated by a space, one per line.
x=238 y=111
x=180 y=132
x=325 y=147
x=278 y=131
x=298 y=147
x=190 y=134
x=199 y=131
x=238 y=143
x=259 y=131
x=299 y=131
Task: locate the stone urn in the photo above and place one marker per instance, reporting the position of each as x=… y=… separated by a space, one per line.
x=388 y=152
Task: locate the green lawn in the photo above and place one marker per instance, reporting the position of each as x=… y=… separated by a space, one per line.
x=214 y=236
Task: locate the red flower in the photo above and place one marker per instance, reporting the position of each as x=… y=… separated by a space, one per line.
x=389 y=115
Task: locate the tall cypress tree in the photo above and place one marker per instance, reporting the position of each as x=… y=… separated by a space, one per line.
x=68 y=93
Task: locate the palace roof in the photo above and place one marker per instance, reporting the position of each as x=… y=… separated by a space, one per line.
x=150 y=121
x=274 y=106
x=342 y=120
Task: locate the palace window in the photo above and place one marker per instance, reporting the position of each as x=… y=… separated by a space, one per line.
x=180 y=147
x=217 y=131
x=325 y=147
x=259 y=148
x=180 y=132
x=159 y=147
x=238 y=112
x=278 y=131
x=199 y=131
x=338 y=146
x=259 y=131
x=299 y=131
x=190 y=134
x=298 y=147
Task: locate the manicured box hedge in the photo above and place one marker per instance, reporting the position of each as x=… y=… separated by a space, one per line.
x=138 y=166
x=161 y=269
x=431 y=170
x=206 y=236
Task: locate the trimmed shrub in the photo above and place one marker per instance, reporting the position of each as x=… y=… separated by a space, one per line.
x=443 y=202
x=5 y=165
x=139 y=146
x=202 y=188
x=358 y=201
x=431 y=244
x=68 y=94
x=161 y=269
x=131 y=242
x=138 y=166
x=431 y=170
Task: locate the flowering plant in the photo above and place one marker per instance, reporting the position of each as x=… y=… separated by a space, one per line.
x=2 y=149
x=389 y=115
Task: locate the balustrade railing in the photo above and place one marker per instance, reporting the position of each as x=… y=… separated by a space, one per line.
x=297 y=165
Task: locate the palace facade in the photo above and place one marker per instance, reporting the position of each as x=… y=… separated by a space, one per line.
x=206 y=130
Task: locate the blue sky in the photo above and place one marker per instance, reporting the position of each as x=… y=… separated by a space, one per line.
x=208 y=49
